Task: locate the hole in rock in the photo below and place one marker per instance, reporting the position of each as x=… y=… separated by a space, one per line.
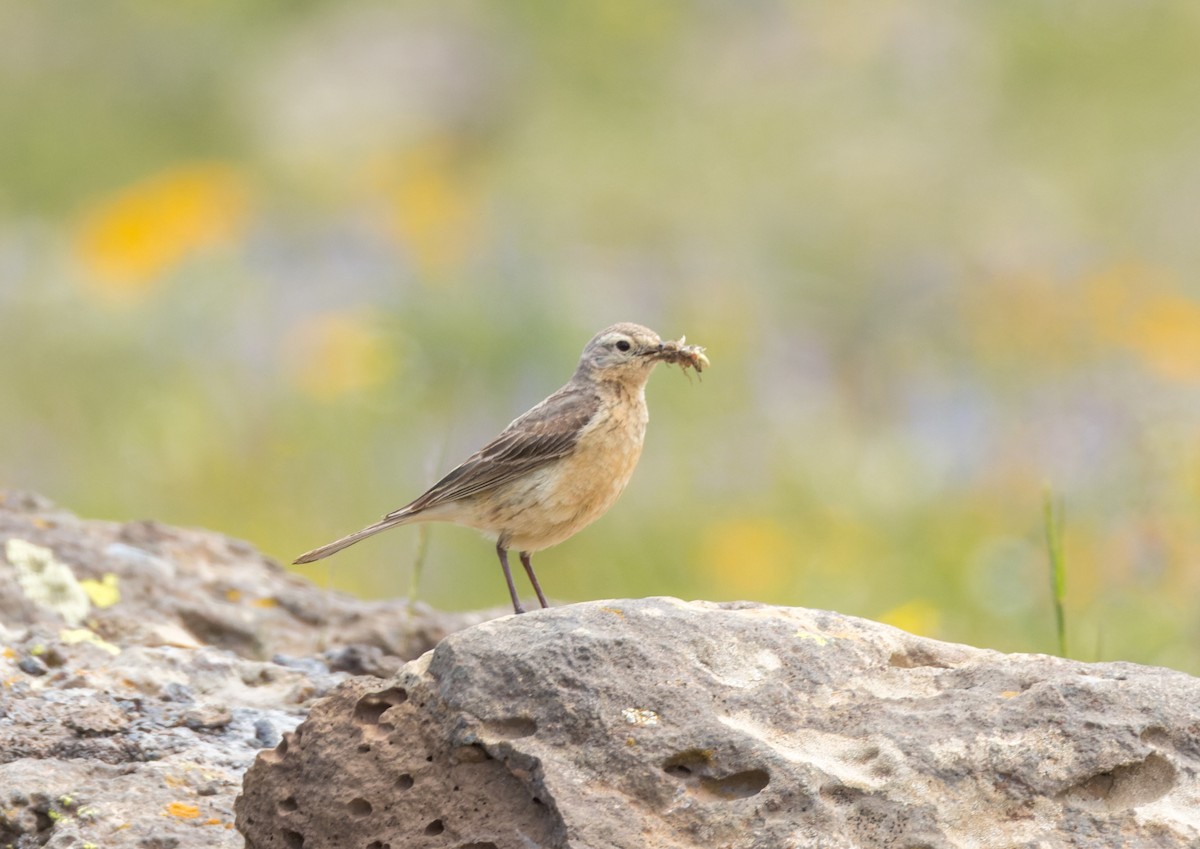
x=740 y=785
x=434 y=828
x=695 y=767
x=373 y=705
x=359 y=807
x=288 y=804
x=685 y=763
x=488 y=845
x=914 y=656
x=404 y=782
x=1125 y=787
x=512 y=728
x=468 y=754
x=1155 y=735
x=292 y=839
x=363 y=748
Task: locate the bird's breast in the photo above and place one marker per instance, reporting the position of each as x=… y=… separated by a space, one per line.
x=605 y=455
x=578 y=489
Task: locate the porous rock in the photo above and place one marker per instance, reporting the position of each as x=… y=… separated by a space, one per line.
x=129 y=714
x=659 y=723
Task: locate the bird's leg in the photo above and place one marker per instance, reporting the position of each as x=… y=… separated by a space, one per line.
x=512 y=590
x=525 y=561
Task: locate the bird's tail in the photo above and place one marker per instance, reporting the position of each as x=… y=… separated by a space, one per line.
x=337 y=545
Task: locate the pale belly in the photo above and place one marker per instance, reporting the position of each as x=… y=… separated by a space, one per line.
x=566 y=496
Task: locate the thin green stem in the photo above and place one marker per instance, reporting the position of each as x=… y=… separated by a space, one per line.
x=418 y=560
x=1052 y=516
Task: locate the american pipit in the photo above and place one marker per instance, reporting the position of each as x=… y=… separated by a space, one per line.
x=557 y=468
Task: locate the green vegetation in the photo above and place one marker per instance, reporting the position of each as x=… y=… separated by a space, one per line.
x=1053 y=517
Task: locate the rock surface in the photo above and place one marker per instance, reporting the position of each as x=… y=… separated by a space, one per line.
x=659 y=723
x=143 y=667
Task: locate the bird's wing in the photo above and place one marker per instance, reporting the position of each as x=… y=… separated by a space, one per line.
x=545 y=433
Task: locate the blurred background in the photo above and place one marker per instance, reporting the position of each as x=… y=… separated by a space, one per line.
x=271 y=268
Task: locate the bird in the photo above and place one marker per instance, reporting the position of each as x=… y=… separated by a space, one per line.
x=556 y=468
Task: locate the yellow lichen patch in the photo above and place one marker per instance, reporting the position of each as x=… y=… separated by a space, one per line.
x=265 y=602
x=103 y=593
x=336 y=353
x=183 y=811
x=46 y=581
x=233 y=595
x=86 y=635
x=641 y=717
x=8 y=653
x=126 y=242
x=812 y=638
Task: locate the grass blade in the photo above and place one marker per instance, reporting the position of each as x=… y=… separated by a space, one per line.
x=1052 y=517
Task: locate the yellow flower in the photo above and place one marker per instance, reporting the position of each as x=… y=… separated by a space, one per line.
x=335 y=353
x=1165 y=333
x=128 y=241
x=917 y=616
x=749 y=557
x=431 y=207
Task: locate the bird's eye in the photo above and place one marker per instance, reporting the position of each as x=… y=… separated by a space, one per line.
x=623 y=345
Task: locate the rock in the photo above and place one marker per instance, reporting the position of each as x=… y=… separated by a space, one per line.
x=101 y=751
x=152 y=584
x=143 y=667
x=659 y=723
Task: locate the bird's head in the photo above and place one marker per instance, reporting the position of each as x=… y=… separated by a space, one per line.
x=625 y=352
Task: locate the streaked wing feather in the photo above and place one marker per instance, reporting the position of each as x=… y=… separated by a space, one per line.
x=545 y=433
